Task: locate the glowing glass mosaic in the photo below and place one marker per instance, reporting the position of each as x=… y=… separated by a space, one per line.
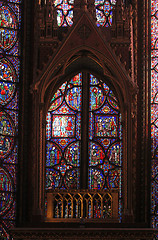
x=154 y=111
x=8 y=28
x=105 y=148
x=7 y=79
x=105 y=126
x=104 y=12
x=63 y=126
x=6 y=190
x=64 y=12
x=72 y=154
x=64 y=134
x=10 y=24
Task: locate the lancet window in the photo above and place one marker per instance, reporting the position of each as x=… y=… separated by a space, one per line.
x=10 y=25
x=84 y=146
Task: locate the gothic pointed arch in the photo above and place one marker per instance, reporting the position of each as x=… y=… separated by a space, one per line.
x=73 y=61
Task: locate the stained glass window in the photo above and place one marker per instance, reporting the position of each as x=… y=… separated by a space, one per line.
x=154 y=110
x=104 y=12
x=84 y=133
x=105 y=145
x=64 y=12
x=10 y=24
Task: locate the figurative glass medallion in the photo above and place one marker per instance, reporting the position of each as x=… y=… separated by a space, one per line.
x=8 y=27
x=7 y=79
x=6 y=189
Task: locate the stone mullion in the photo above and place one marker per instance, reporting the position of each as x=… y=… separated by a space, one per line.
x=25 y=194
x=141 y=121
x=84 y=131
x=147 y=79
x=145 y=156
x=38 y=170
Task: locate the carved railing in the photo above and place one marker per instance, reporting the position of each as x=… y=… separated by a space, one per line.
x=74 y=205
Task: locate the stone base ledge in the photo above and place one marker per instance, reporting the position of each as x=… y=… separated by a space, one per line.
x=83 y=233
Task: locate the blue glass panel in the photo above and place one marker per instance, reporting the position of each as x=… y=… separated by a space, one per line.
x=10 y=24
x=8 y=27
x=62 y=134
